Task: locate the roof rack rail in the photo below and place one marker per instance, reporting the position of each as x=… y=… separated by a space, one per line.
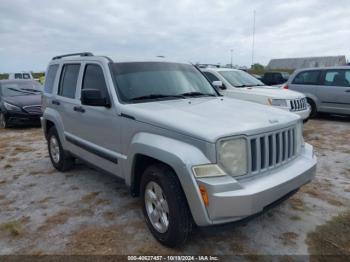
x=74 y=54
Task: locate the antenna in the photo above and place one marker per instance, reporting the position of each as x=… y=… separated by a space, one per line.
x=253 y=44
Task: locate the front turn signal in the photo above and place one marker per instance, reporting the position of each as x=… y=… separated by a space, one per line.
x=204 y=195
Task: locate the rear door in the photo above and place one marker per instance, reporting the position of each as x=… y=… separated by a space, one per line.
x=334 y=93
x=66 y=102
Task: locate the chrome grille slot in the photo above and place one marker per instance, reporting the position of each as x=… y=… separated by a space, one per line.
x=270 y=150
x=298 y=104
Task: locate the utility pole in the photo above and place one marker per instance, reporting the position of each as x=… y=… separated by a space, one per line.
x=231 y=57
x=253 y=44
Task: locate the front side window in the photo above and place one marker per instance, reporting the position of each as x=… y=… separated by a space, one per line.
x=337 y=78
x=211 y=77
x=307 y=78
x=68 y=81
x=50 y=78
x=18 y=76
x=94 y=79
x=140 y=81
x=240 y=79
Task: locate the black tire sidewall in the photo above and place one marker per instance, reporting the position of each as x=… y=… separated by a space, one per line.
x=2 y=116
x=167 y=180
x=64 y=164
x=313 y=107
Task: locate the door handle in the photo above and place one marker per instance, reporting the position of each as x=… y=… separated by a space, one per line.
x=79 y=109
x=55 y=102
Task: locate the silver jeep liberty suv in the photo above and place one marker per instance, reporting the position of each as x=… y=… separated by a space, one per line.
x=193 y=156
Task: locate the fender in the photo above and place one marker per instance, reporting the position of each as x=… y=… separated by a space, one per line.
x=54 y=117
x=178 y=155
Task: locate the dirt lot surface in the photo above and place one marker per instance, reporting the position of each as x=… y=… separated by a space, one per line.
x=85 y=212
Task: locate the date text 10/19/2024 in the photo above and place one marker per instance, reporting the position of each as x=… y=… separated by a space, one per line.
x=173 y=258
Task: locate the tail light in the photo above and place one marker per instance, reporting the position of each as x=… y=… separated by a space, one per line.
x=285 y=86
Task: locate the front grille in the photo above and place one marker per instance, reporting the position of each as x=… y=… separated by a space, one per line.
x=298 y=104
x=34 y=110
x=272 y=149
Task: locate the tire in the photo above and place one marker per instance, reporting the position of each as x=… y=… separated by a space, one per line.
x=60 y=158
x=312 y=104
x=3 y=121
x=178 y=214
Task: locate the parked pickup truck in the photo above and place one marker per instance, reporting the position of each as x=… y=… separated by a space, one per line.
x=241 y=85
x=193 y=156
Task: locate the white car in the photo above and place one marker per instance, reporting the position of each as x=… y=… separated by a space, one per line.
x=241 y=85
x=21 y=75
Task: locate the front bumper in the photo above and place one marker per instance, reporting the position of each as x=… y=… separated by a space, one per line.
x=22 y=118
x=231 y=199
x=304 y=114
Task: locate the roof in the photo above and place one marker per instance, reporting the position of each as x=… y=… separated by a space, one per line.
x=306 y=62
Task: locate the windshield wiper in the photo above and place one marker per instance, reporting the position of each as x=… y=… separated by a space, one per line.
x=193 y=94
x=20 y=91
x=155 y=96
x=31 y=90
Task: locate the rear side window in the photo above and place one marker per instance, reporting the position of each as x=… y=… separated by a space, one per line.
x=337 y=78
x=211 y=77
x=68 y=81
x=50 y=78
x=26 y=76
x=307 y=78
x=94 y=79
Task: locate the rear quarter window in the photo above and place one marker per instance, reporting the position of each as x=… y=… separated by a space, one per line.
x=307 y=78
x=50 y=78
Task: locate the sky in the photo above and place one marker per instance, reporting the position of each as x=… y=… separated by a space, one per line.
x=33 y=31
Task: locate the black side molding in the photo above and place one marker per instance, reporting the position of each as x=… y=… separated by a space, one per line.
x=93 y=150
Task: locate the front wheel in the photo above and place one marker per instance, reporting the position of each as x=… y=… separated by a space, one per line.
x=312 y=105
x=165 y=206
x=3 y=121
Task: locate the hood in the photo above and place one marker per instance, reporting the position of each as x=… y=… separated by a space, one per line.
x=271 y=91
x=211 y=118
x=21 y=101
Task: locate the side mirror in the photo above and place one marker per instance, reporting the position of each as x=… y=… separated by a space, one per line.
x=219 y=85
x=93 y=97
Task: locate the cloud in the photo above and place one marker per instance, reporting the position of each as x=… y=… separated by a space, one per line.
x=31 y=32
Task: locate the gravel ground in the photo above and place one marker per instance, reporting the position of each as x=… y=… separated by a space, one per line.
x=83 y=211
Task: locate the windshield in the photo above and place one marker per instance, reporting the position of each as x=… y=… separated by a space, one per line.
x=20 y=89
x=140 y=81
x=240 y=78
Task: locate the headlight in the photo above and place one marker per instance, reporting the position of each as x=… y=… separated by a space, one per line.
x=232 y=156
x=299 y=137
x=208 y=171
x=12 y=107
x=278 y=102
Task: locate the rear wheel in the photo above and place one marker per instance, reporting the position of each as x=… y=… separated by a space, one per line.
x=60 y=158
x=165 y=206
x=3 y=121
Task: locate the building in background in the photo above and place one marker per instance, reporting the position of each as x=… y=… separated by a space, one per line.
x=306 y=62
